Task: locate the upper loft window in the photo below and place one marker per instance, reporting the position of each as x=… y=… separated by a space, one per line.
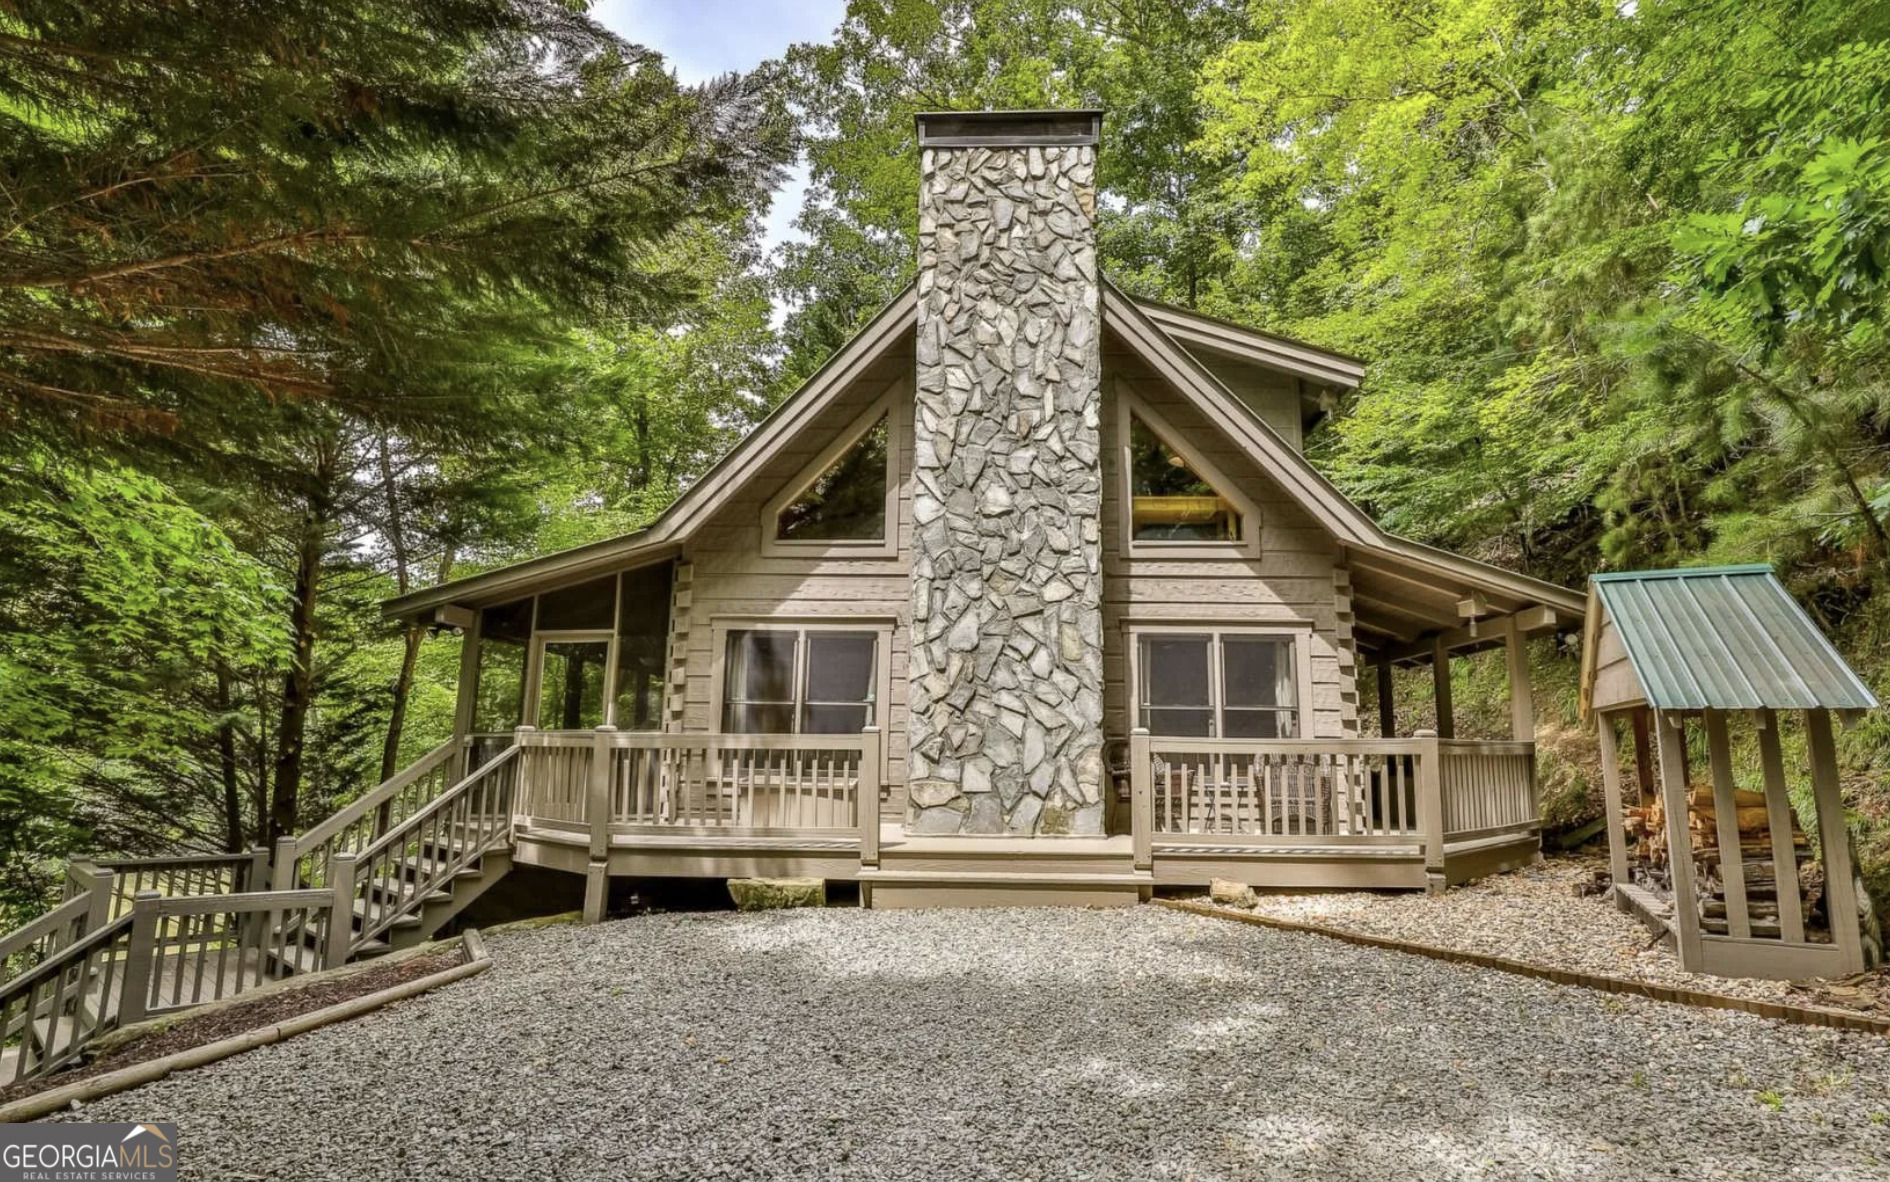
x=1169 y=500
x=847 y=501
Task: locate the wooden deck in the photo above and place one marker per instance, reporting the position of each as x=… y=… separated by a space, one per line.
x=1288 y=814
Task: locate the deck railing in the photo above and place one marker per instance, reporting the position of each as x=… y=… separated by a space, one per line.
x=167 y=953
x=188 y=874
x=1318 y=790
x=655 y=782
x=1488 y=787
x=302 y=861
x=1421 y=791
x=390 y=878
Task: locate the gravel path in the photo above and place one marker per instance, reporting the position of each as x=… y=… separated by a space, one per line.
x=1044 y=1044
x=1532 y=914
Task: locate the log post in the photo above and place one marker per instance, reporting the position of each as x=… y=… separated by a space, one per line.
x=1778 y=820
x=1672 y=738
x=1430 y=805
x=1834 y=840
x=866 y=809
x=1387 y=701
x=1732 y=859
x=1610 y=739
x=134 y=991
x=344 y=880
x=1440 y=681
x=1522 y=703
x=283 y=873
x=597 y=816
x=1141 y=799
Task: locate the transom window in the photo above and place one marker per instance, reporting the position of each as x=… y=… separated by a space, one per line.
x=800 y=680
x=1169 y=500
x=1219 y=684
x=847 y=501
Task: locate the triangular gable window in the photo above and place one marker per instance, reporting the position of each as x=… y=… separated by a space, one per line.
x=847 y=501
x=1170 y=501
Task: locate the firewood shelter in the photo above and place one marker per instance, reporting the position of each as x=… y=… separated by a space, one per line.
x=1712 y=693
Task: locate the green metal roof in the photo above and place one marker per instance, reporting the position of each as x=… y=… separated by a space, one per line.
x=1726 y=638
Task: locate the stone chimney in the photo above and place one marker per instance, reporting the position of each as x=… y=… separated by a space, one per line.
x=1006 y=673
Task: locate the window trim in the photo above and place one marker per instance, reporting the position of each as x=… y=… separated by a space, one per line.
x=1300 y=633
x=882 y=627
x=535 y=665
x=1130 y=405
x=464 y=716
x=891 y=406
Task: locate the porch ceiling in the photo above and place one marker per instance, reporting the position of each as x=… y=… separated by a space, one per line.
x=1398 y=606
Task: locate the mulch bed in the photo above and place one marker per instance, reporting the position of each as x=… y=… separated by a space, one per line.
x=243 y=1016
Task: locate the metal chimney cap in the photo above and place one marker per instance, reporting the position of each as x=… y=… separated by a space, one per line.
x=1009 y=129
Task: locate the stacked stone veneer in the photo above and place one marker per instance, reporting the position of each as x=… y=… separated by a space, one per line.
x=1006 y=668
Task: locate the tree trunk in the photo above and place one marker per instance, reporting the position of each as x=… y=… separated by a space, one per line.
x=226 y=762
x=298 y=685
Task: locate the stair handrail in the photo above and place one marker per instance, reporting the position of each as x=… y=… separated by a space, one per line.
x=291 y=850
x=74 y=954
x=55 y=929
x=367 y=866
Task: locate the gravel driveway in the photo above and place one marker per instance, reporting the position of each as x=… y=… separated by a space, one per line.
x=1022 y=1044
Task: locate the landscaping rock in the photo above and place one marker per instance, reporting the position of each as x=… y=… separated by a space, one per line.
x=871 y=1045
x=1229 y=893
x=770 y=894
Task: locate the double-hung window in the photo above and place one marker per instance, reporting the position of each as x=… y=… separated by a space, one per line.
x=1214 y=683
x=800 y=681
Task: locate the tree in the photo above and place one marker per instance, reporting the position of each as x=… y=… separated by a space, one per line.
x=1165 y=229
x=240 y=254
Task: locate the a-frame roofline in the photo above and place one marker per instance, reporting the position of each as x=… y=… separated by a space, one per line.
x=1195 y=331
x=708 y=493
x=1157 y=334
x=1352 y=526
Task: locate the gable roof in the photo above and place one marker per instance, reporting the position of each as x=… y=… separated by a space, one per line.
x=703 y=497
x=1720 y=638
x=1295 y=473
x=1193 y=330
x=1152 y=331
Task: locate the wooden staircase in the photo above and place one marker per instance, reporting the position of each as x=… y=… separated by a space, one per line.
x=150 y=936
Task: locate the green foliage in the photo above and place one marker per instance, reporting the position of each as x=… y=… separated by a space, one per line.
x=114 y=596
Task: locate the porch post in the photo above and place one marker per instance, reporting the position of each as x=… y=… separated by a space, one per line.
x=1141 y=800
x=1430 y=804
x=1522 y=705
x=597 y=814
x=1834 y=840
x=1387 y=701
x=1672 y=737
x=1610 y=739
x=467 y=699
x=1440 y=679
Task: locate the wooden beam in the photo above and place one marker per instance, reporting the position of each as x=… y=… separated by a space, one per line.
x=1732 y=863
x=1610 y=740
x=1672 y=738
x=1522 y=702
x=453 y=615
x=1643 y=756
x=1834 y=840
x=1778 y=820
x=1387 y=702
x=468 y=693
x=1440 y=682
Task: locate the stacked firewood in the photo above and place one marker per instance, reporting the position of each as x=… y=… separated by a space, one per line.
x=1649 y=826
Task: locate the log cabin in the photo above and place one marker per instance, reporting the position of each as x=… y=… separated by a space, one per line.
x=1029 y=595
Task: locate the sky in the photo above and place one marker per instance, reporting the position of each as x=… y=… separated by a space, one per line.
x=704 y=38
